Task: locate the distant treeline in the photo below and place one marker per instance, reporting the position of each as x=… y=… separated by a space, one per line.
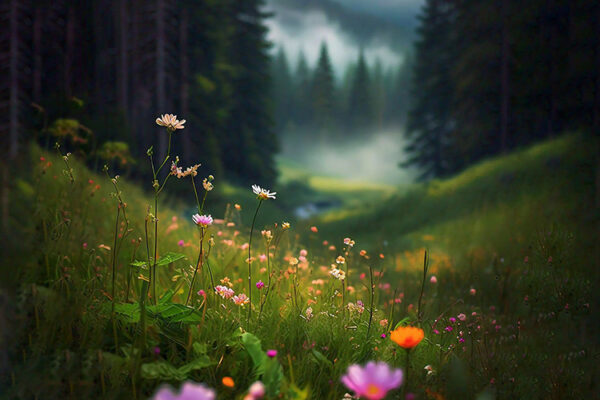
x=313 y=101
x=114 y=66
x=490 y=75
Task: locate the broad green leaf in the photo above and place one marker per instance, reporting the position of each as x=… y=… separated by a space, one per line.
x=139 y=263
x=273 y=377
x=174 y=312
x=126 y=312
x=166 y=297
x=253 y=347
x=169 y=258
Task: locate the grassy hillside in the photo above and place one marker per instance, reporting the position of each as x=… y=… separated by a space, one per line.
x=492 y=207
x=506 y=299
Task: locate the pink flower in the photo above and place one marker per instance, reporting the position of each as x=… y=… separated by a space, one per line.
x=314 y=229
x=201 y=293
x=383 y=322
x=224 y=291
x=256 y=390
x=433 y=279
x=303 y=253
x=462 y=316
x=271 y=353
x=202 y=220
x=181 y=243
x=189 y=391
x=262 y=257
x=241 y=300
x=373 y=381
x=85 y=245
x=260 y=285
x=473 y=292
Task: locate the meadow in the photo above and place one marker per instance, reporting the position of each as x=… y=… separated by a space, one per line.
x=479 y=286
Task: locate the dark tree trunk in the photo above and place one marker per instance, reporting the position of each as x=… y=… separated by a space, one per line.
x=69 y=52
x=122 y=69
x=161 y=73
x=504 y=77
x=184 y=89
x=37 y=55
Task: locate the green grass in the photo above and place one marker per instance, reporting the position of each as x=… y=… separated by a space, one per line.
x=520 y=230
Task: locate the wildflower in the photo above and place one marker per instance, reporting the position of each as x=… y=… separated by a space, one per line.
x=201 y=293
x=263 y=194
x=462 y=316
x=224 y=291
x=256 y=390
x=293 y=261
x=260 y=285
x=448 y=329
x=373 y=381
x=228 y=381
x=241 y=300
x=429 y=369
x=383 y=335
x=407 y=336
x=433 y=279
x=268 y=235
x=202 y=220
x=309 y=313
x=338 y=274
x=271 y=353
x=207 y=185
x=461 y=340
x=473 y=292
x=452 y=319
x=314 y=229
x=181 y=243
x=189 y=391
x=237 y=207
x=362 y=253
x=349 y=242
x=285 y=225
x=303 y=253
x=383 y=322
x=156 y=350
x=262 y=257
x=226 y=281
x=340 y=260
x=170 y=122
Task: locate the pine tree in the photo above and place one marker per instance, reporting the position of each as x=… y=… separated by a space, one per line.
x=360 y=112
x=430 y=125
x=323 y=93
x=282 y=91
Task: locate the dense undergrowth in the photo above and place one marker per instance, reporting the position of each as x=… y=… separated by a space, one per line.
x=508 y=303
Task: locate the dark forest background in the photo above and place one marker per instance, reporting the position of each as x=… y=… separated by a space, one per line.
x=484 y=77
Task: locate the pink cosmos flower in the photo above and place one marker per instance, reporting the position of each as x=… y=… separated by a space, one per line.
x=189 y=391
x=181 y=243
x=373 y=381
x=256 y=390
x=202 y=220
x=260 y=285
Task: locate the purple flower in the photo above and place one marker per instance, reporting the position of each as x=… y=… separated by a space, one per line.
x=452 y=319
x=181 y=243
x=157 y=350
x=448 y=329
x=202 y=220
x=383 y=335
x=260 y=285
x=189 y=391
x=201 y=293
x=461 y=340
x=373 y=381
x=272 y=353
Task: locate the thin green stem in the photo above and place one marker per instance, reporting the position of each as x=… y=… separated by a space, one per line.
x=250 y=264
x=372 y=299
x=269 y=280
x=198 y=265
x=425 y=267
x=114 y=275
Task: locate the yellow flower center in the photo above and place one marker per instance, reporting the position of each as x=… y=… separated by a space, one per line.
x=373 y=390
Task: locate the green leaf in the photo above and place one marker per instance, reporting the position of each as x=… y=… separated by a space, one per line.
x=174 y=312
x=402 y=322
x=166 y=297
x=126 y=312
x=169 y=258
x=273 y=377
x=139 y=263
x=253 y=347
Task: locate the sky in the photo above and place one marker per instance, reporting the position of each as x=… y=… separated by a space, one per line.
x=304 y=30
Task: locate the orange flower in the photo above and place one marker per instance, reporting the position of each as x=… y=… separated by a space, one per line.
x=228 y=381
x=407 y=336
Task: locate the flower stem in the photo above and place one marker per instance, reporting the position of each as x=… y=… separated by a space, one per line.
x=372 y=298
x=250 y=264
x=198 y=265
x=425 y=267
x=264 y=301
